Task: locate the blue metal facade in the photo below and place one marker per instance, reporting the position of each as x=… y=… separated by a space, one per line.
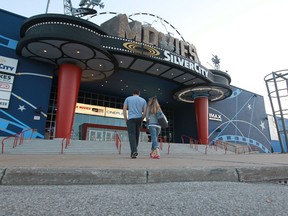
x=32 y=84
x=240 y=119
x=243 y=120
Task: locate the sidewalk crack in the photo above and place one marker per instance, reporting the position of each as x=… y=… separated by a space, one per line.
x=4 y=171
x=238 y=174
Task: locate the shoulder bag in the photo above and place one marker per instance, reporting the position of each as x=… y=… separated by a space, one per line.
x=162 y=120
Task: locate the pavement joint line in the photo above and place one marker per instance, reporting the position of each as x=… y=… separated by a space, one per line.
x=242 y=162
x=3 y=174
x=231 y=161
x=238 y=174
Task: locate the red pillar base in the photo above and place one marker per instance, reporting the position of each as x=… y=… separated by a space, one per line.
x=201 y=109
x=67 y=95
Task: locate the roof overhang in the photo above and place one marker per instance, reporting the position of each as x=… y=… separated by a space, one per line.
x=61 y=39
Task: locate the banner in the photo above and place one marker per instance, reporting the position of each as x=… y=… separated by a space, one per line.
x=90 y=109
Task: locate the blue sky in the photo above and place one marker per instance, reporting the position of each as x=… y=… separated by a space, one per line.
x=249 y=36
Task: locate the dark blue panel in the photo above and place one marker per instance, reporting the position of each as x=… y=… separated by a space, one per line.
x=243 y=120
x=32 y=84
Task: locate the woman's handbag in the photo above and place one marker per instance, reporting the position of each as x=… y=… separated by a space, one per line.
x=162 y=120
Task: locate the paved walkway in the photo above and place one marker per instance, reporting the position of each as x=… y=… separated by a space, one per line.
x=121 y=169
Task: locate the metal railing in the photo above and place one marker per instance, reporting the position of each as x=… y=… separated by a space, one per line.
x=193 y=142
x=67 y=140
x=18 y=136
x=164 y=140
x=118 y=142
x=226 y=146
x=237 y=149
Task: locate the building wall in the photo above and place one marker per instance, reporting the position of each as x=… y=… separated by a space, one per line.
x=242 y=120
x=239 y=119
x=32 y=83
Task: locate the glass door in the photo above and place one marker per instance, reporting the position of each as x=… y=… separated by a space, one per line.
x=96 y=135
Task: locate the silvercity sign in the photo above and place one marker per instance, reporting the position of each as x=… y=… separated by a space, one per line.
x=168 y=56
x=185 y=63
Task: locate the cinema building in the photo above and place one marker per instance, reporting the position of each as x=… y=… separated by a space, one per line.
x=63 y=75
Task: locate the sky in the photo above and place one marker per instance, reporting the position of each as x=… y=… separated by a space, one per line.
x=250 y=37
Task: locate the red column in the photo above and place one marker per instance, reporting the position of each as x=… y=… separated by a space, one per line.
x=201 y=108
x=68 y=88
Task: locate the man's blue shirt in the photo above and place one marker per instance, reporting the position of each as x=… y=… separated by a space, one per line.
x=136 y=106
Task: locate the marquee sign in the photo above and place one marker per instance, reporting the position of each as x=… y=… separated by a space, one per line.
x=135 y=38
x=119 y=26
x=124 y=45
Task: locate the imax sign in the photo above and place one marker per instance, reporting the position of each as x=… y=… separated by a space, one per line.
x=215 y=117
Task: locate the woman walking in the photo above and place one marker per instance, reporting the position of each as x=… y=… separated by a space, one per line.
x=154 y=128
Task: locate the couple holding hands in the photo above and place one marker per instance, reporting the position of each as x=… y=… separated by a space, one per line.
x=138 y=110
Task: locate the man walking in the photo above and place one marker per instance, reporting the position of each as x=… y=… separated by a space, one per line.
x=136 y=107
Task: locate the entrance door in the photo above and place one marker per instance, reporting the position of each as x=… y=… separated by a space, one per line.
x=109 y=135
x=96 y=135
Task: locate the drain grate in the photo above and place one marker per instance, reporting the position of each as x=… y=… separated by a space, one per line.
x=282 y=182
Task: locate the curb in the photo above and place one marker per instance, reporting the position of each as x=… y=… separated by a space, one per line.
x=261 y=174
x=55 y=176
x=192 y=174
x=90 y=176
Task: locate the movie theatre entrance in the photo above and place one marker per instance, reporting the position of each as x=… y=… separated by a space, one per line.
x=100 y=135
x=95 y=132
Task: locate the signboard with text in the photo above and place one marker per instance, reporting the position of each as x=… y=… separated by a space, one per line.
x=98 y=110
x=8 y=66
x=113 y=112
x=90 y=109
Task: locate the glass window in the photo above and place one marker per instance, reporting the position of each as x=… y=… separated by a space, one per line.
x=80 y=100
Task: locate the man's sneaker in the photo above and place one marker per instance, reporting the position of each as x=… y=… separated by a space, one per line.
x=134 y=155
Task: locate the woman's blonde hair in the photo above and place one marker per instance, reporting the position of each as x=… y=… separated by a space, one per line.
x=153 y=105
